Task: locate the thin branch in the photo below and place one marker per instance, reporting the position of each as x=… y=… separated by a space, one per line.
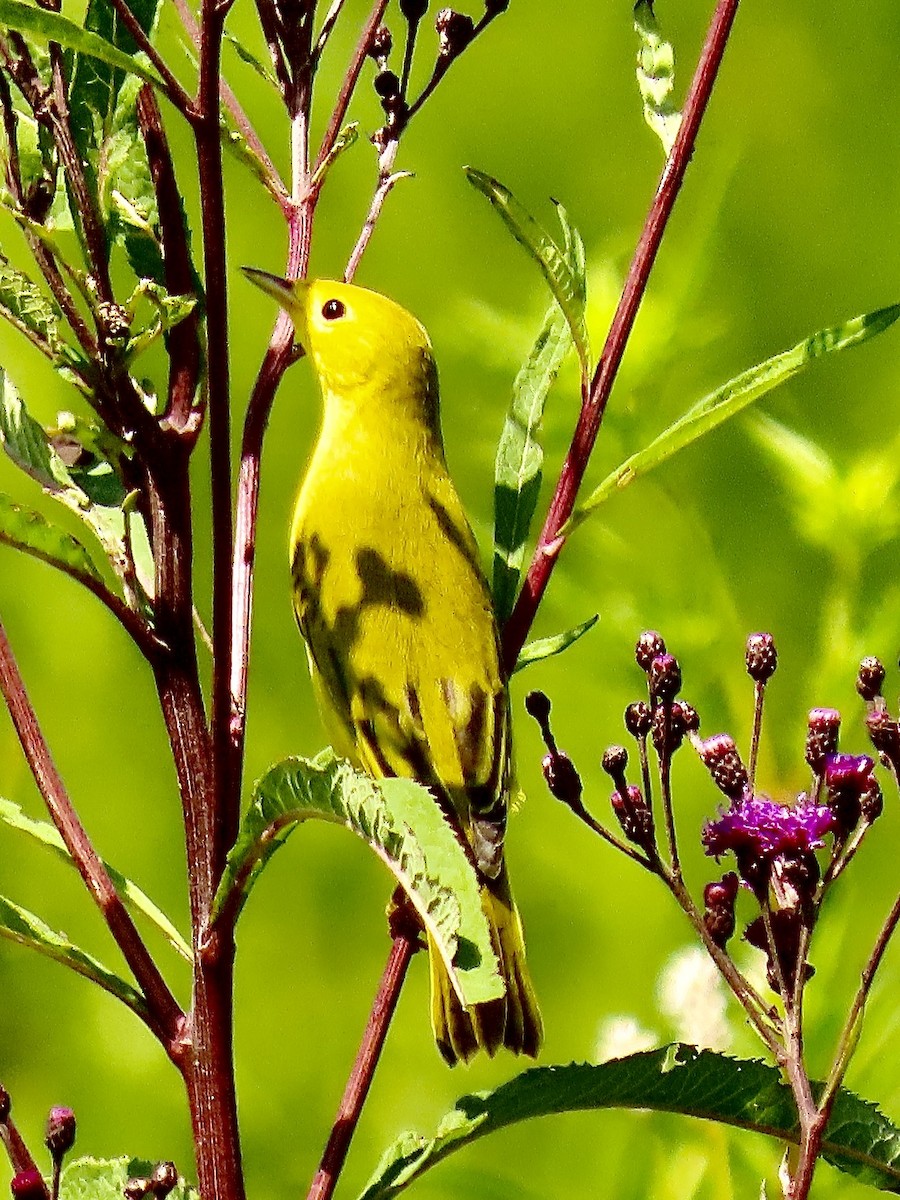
x=387 y=179
x=325 y=32
x=551 y=540
x=350 y=80
x=174 y=91
x=402 y=949
x=166 y=1018
x=20 y=1157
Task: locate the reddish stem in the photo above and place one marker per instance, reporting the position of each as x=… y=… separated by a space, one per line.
x=592 y=412
x=354 y=1097
x=20 y=1157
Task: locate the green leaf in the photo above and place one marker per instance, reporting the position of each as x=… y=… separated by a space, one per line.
x=127 y=194
x=344 y=140
x=745 y=1093
x=26 y=307
x=730 y=399
x=23 y=927
x=25 y=440
x=46 y=26
x=547 y=647
x=30 y=531
x=248 y=57
x=105 y=1179
x=132 y=896
x=567 y=288
x=403 y=824
x=656 y=76
x=168 y=311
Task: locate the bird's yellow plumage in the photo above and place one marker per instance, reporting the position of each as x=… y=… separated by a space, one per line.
x=396 y=614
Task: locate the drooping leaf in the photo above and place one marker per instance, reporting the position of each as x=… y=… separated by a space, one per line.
x=680 y=1079
x=138 y=901
x=549 y=646
x=105 y=1179
x=656 y=76
x=555 y=266
x=733 y=397
x=45 y=26
x=402 y=823
x=28 y=530
x=21 y=926
x=248 y=57
x=168 y=311
x=344 y=140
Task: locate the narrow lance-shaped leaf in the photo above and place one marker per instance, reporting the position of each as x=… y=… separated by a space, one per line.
x=398 y=819
x=548 y=647
x=28 y=530
x=747 y=1094
x=565 y=285
x=656 y=76
x=45 y=26
x=21 y=926
x=733 y=397
x=519 y=462
x=138 y=901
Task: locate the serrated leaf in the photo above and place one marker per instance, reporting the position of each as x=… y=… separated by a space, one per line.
x=127 y=193
x=45 y=26
x=26 y=307
x=105 y=1179
x=563 y=282
x=132 y=896
x=30 y=531
x=744 y=1093
x=21 y=926
x=168 y=311
x=519 y=461
x=656 y=76
x=547 y=647
x=403 y=824
x=733 y=397
x=25 y=440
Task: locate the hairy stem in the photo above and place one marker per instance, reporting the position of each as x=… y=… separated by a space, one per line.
x=561 y=507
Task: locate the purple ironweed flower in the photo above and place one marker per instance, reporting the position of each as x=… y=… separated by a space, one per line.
x=758 y=828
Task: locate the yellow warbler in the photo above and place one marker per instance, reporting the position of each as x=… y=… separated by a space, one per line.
x=392 y=602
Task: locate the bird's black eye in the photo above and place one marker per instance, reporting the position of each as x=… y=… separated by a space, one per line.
x=333 y=310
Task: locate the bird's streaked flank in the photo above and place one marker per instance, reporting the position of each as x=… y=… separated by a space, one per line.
x=391 y=600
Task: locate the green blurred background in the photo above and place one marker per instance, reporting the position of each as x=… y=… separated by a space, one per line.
x=787 y=223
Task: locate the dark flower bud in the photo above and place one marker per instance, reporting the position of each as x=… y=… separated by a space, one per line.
x=455 y=31
x=634 y=815
x=614 y=762
x=718 y=900
x=871 y=802
x=870 y=677
x=721 y=758
x=381 y=44
x=650 y=645
x=761 y=657
x=665 y=677
x=5 y=1105
x=885 y=733
x=60 y=1135
x=387 y=85
x=537 y=705
x=136 y=1188
x=847 y=777
x=638 y=719
x=414 y=10
x=668 y=728
x=163 y=1179
x=787 y=925
x=689 y=716
x=562 y=778
x=794 y=879
x=822 y=736
x=28 y=1185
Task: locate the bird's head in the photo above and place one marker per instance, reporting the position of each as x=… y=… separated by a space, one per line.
x=360 y=342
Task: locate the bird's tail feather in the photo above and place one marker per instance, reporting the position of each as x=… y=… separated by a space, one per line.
x=513 y=1021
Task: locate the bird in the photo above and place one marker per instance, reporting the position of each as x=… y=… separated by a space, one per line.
x=393 y=605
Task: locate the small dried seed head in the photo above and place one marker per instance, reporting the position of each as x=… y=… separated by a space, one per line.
x=718 y=900
x=5 y=1105
x=136 y=1188
x=885 y=733
x=114 y=321
x=665 y=678
x=650 y=645
x=870 y=678
x=537 y=705
x=823 y=730
x=638 y=719
x=562 y=778
x=61 y=1127
x=381 y=44
x=455 y=31
x=414 y=10
x=794 y=879
x=761 y=657
x=872 y=802
x=387 y=85
x=28 y=1185
x=721 y=758
x=615 y=760
x=163 y=1179
x=634 y=816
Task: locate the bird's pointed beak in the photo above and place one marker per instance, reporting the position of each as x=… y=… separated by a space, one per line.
x=290 y=294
